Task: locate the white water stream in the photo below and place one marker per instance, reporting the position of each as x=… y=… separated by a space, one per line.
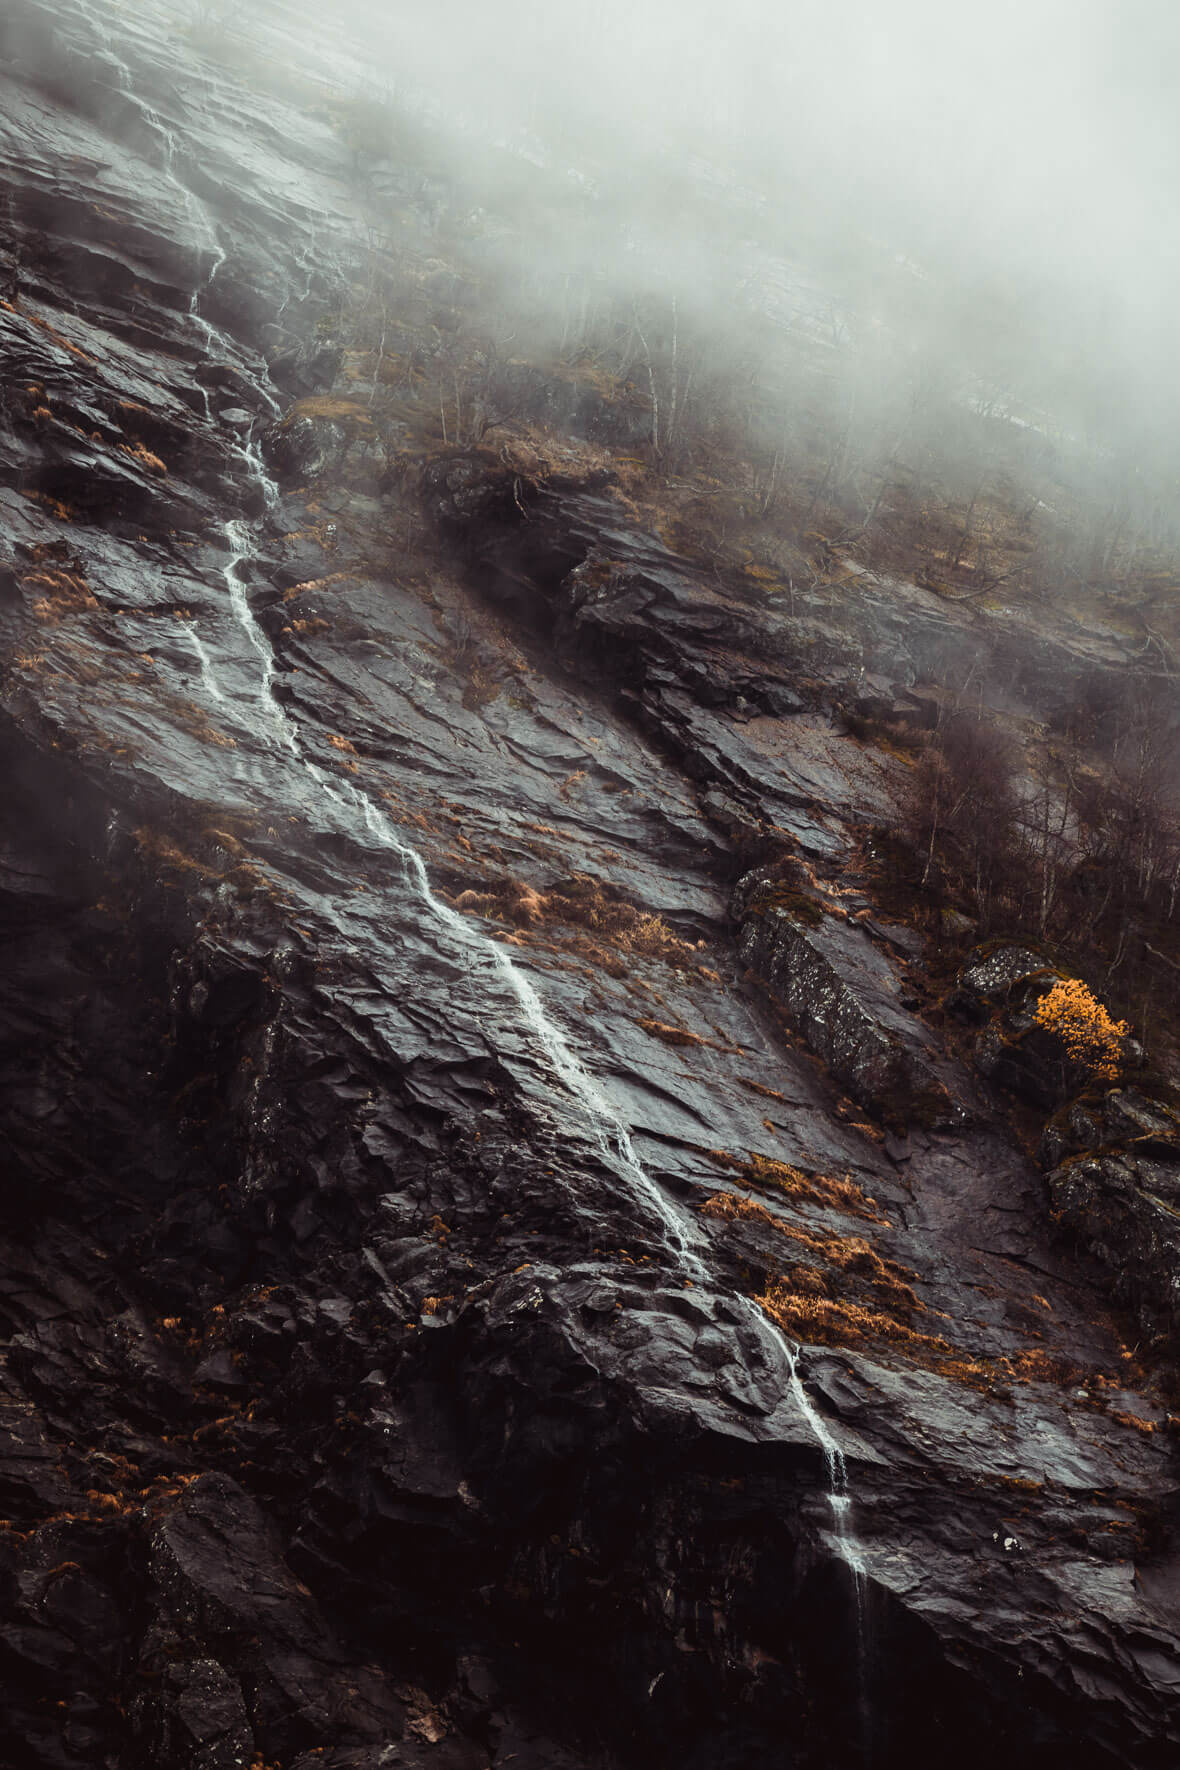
x=476 y=949
x=840 y=1506
x=611 y=1136
x=208 y=679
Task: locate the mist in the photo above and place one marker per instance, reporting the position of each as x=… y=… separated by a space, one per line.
x=1025 y=158
x=909 y=252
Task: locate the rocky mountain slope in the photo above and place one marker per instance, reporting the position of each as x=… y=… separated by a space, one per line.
x=496 y=1269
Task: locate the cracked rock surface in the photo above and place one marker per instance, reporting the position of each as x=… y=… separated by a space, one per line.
x=401 y=1128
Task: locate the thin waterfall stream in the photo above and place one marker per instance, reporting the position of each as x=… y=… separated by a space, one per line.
x=611 y=1135
x=840 y=1507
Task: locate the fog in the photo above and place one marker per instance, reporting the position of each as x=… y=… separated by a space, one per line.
x=1034 y=144
x=908 y=209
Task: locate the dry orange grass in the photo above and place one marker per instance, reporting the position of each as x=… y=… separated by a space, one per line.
x=144 y=457
x=580 y=902
x=840 y=1194
x=62 y=593
x=851 y=1255
x=832 y=1321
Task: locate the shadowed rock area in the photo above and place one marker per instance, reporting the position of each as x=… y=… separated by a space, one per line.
x=495 y=1268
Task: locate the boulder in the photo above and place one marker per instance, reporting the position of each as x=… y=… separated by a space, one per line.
x=843 y=997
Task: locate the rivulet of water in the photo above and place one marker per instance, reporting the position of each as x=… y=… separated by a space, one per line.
x=840 y=1506
x=609 y=1132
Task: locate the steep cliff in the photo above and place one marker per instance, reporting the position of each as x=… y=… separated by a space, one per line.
x=455 y=1315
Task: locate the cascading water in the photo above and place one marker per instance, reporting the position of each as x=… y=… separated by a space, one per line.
x=208 y=679
x=840 y=1506
x=210 y=245
x=610 y=1134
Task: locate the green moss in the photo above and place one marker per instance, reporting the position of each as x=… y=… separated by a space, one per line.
x=797 y=904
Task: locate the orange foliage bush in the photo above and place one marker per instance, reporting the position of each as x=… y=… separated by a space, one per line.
x=1084 y=1027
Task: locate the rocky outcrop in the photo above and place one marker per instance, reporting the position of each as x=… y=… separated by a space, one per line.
x=1113 y=1157
x=1123 y=1205
x=1001 y=986
x=1114 y=1181
x=397 y=1150
x=842 y=995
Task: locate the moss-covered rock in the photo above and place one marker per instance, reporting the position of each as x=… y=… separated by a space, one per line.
x=843 y=996
x=997 y=975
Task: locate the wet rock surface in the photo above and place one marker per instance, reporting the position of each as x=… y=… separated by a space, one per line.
x=844 y=996
x=376 y=1390
x=1113 y=1156
x=1115 y=1185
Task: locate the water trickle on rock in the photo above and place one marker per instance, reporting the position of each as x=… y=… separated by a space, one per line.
x=841 y=1507
x=610 y=1135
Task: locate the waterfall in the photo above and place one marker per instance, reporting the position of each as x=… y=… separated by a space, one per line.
x=208 y=679
x=610 y=1134
x=840 y=1507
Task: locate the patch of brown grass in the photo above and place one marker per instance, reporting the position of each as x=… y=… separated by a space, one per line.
x=1133 y=1420
x=166 y=853
x=840 y=1194
x=832 y=1321
x=63 y=512
x=807 y=1312
x=850 y=1255
x=680 y=1035
x=760 y=1088
x=63 y=593
x=315 y=584
x=581 y=902
x=671 y=1035
x=194 y=719
x=144 y=456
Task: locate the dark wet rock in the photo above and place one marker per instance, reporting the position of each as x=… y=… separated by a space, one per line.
x=302 y=448
x=994 y=976
x=1015 y=1053
x=305 y=369
x=1078 y=1127
x=843 y=997
x=1115 y=1185
x=1123 y=1206
x=1001 y=985
x=1120 y=1116
x=365 y=1402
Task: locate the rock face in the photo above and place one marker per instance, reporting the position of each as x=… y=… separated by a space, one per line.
x=1002 y=987
x=842 y=993
x=1115 y=1184
x=400 y=1132
x=1113 y=1156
